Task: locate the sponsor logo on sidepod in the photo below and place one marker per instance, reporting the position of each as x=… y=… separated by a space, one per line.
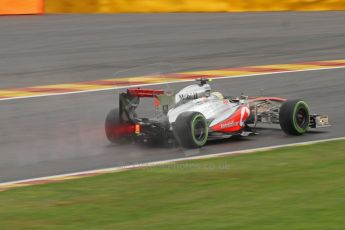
x=229 y=124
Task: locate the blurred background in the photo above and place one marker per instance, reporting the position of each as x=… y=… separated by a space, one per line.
x=151 y=6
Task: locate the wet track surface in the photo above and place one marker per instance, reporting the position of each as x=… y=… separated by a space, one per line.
x=61 y=134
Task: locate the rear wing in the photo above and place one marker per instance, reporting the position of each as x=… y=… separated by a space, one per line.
x=129 y=101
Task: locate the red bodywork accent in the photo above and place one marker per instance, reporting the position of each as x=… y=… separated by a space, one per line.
x=144 y=92
x=235 y=122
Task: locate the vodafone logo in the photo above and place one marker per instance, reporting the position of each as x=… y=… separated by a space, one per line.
x=229 y=125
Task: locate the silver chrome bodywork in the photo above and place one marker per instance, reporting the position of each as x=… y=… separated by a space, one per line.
x=214 y=109
x=198 y=98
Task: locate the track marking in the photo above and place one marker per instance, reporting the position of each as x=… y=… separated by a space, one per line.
x=125 y=82
x=83 y=174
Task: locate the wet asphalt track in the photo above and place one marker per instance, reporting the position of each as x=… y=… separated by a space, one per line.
x=62 y=134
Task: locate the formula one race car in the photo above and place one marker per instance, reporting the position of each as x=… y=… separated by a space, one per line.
x=195 y=115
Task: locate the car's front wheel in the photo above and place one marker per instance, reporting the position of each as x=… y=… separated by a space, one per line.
x=294 y=117
x=191 y=129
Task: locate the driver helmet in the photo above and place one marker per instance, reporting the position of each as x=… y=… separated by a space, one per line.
x=218 y=95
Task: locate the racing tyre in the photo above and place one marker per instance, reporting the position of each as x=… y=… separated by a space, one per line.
x=112 y=122
x=294 y=117
x=191 y=129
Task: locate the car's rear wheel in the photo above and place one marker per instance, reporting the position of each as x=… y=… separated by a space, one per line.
x=294 y=117
x=114 y=128
x=191 y=129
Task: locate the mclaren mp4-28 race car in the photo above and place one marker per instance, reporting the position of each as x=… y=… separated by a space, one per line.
x=195 y=114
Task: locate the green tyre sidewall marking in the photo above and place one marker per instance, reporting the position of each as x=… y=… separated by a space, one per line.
x=296 y=126
x=203 y=142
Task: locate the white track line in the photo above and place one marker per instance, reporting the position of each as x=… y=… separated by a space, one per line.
x=169 y=82
x=155 y=163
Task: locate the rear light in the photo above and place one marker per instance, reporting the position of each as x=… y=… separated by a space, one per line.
x=137 y=129
x=156 y=103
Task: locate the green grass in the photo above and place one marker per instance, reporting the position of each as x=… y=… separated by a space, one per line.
x=290 y=188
